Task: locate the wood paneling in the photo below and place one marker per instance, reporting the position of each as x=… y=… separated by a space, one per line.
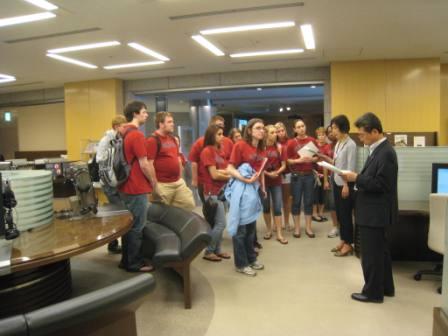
x=405 y=94
x=89 y=109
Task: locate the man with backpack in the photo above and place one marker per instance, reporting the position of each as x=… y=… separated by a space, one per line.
x=166 y=165
x=136 y=186
x=104 y=159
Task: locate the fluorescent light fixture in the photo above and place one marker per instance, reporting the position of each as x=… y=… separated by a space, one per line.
x=84 y=47
x=308 y=36
x=72 y=61
x=42 y=4
x=313 y=86
x=26 y=18
x=267 y=53
x=259 y=89
x=147 y=51
x=6 y=78
x=207 y=44
x=131 y=65
x=248 y=28
x=7 y=116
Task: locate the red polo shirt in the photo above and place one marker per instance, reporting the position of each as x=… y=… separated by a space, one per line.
x=135 y=148
x=212 y=156
x=166 y=162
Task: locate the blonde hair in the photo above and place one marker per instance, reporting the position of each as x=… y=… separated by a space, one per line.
x=268 y=128
x=118 y=120
x=282 y=125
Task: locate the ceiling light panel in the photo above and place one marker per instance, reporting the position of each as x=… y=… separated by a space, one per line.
x=236 y=29
x=132 y=65
x=208 y=45
x=84 y=47
x=72 y=61
x=147 y=51
x=267 y=53
x=42 y=4
x=26 y=18
x=308 y=36
x=6 y=78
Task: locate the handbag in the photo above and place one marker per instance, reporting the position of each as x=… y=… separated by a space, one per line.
x=209 y=208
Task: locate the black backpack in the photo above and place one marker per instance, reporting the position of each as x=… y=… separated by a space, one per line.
x=121 y=167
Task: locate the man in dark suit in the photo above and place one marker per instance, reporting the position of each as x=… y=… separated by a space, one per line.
x=376 y=209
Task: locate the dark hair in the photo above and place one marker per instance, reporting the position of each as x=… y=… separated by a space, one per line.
x=133 y=108
x=297 y=120
x=210 y=135
x=161 y=116
x=369 y=121
x=341 y=121
x=248 y=136
x=215 y=118
x=328 y=130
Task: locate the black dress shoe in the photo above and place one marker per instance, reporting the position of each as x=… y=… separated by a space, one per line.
x=391 y=294
x=361 y=297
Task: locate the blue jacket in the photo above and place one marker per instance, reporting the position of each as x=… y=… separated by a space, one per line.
x=245 y=203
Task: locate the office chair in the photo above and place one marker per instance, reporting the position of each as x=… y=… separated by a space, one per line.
x=438 y=206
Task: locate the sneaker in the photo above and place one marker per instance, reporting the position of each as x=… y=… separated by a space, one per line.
x=257 y=266
x=247 y=270
x=333 y=233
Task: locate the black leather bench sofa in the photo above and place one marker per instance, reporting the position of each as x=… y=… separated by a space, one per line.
x=172 y=238
x=107 y=311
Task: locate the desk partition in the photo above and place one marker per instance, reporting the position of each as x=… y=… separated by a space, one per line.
x=414 y=169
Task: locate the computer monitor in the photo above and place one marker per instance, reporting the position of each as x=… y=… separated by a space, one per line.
x=439 y=178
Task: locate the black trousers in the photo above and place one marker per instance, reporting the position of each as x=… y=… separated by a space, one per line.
x=344 y=211
x=376 y=263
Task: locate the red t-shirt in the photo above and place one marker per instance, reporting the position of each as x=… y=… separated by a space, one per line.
x=244 y=153
x=198 y=146
x=134 y=148
x=275 y=157
x=327 y=150
x=294 y=145
x=166 y=162
x=284 y=144
x=212 y=156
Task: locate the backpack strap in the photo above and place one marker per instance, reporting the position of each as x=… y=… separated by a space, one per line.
x=158 y=141
x=128 y=130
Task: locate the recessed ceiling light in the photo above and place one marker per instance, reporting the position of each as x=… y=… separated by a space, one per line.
x=268 y=52
x=72 y=61
x=259 y=89
x=208 y=92
x=313 y=86
x=280 y=109
x=308 y=36
x=131 y=65
x=147 y=51
x=6 y=78
x=42 y=4
x=26 y=18
x=84 y=47
x=288 y=108
x=208 y=45
x=248 y=28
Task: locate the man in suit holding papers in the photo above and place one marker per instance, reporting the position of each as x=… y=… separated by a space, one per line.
x=376 y=209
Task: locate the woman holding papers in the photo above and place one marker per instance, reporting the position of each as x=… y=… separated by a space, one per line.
x=282 y=138
x=344 y=159
x=301 y=152
x=250 y=150
x=273 y=179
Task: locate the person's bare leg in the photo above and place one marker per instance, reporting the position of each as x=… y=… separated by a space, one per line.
x=286 y=195
x=308 y=225
x=268 y=222
x=278 y=225
x=296 y=219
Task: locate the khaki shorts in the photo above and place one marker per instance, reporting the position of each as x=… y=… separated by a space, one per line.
x=176 y=194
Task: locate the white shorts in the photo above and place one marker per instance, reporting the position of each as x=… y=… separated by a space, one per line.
x=286 y=178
